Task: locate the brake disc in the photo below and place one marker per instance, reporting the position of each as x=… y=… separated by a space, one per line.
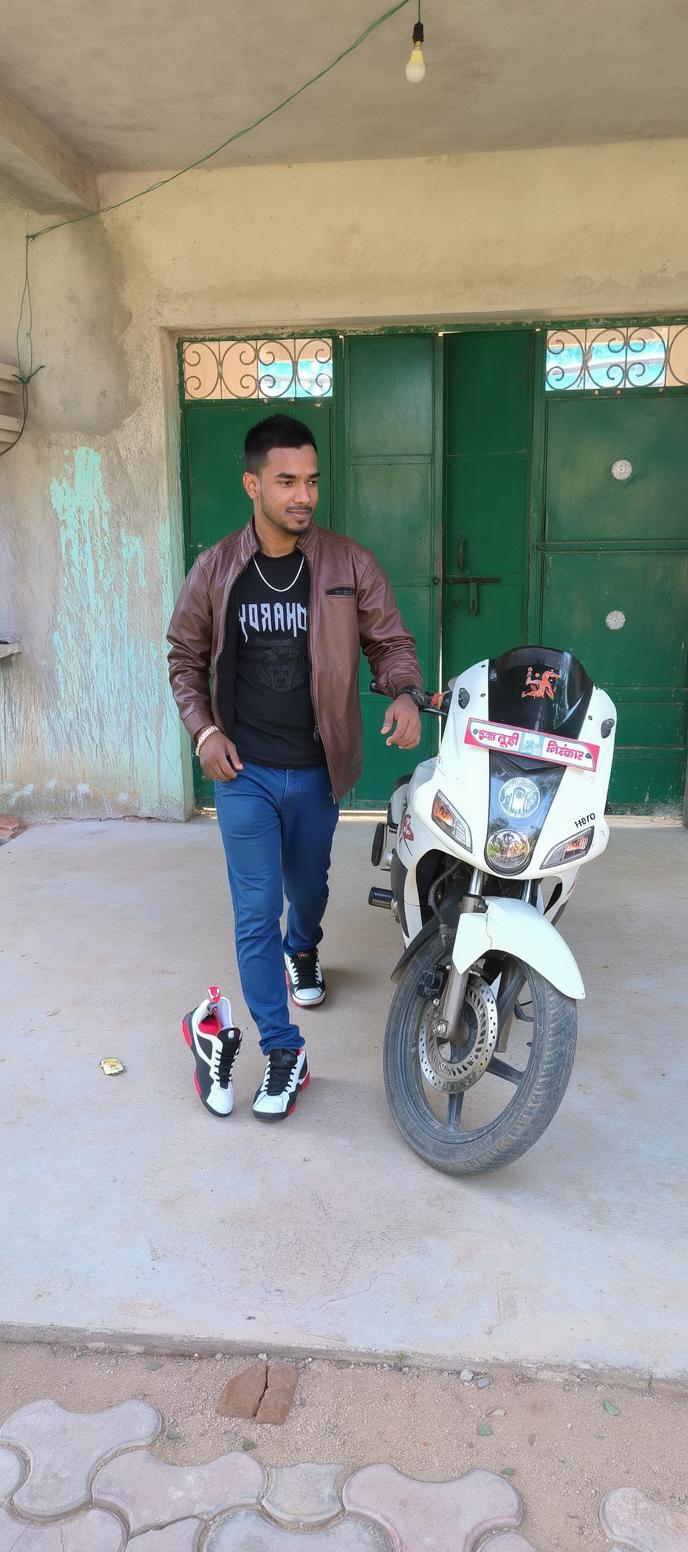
x=451 y=1068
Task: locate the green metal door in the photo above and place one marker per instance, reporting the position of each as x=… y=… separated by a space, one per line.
x=383 y=488
x=616 y=573
x=488 y=417
x=213 y=463
x=393 y=491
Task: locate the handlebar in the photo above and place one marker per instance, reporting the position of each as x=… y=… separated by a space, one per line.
x=435 y=702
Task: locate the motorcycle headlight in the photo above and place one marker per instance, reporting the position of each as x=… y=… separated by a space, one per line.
x=507 y=851
x=569 y=851
x=521 y=795
x=446 y=816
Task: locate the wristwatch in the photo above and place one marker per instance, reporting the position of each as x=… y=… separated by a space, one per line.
x=417 y=695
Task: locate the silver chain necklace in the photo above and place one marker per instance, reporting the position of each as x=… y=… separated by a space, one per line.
x=280 y=589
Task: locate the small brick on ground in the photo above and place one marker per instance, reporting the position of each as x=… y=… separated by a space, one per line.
x=242 y=1395
x=276 y=1403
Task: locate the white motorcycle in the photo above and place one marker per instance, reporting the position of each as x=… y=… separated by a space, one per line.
x=484 y=844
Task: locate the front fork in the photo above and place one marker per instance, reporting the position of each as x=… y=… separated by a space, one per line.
x=450 y=1024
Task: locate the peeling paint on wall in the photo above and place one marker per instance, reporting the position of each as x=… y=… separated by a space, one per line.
x=108 y=669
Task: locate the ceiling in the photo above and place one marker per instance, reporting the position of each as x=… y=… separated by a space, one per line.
x=155 y=85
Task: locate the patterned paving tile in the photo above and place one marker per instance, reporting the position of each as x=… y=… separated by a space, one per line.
x=149 y=1493
x=303 y=1495
x=64 y=1448
x=182 y=1537
x=510 y=1541
x=433 y=1516
x=11 y=1472
x=641 y=1525
x=90 y=1532
x=250 y=1532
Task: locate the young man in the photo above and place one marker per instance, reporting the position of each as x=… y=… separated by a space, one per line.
x=265 y=645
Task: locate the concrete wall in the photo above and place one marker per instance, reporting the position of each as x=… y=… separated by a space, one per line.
x=90 y=538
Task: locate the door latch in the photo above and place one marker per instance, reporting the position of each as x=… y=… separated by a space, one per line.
x=473 y=584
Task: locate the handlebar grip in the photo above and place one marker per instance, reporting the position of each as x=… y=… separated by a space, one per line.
x=436 y=702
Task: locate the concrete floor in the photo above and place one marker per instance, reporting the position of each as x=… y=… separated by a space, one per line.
x=127 y=1209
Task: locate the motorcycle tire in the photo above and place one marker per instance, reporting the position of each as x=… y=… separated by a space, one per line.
x=524 y=1118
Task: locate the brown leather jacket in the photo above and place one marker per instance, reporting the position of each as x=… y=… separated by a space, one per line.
x=352 y=606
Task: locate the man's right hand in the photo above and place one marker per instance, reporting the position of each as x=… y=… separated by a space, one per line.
x=219 y=758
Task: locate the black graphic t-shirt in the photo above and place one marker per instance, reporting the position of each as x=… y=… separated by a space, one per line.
x=271 y=717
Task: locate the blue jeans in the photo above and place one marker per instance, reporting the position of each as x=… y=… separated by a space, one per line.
x=277 y=828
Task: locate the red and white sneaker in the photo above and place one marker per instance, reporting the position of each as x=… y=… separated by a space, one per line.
x=285 y=1075
x=305 y=979
x=214 y=1042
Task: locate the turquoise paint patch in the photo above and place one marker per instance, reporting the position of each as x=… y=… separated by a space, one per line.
x=169 y=726
x=111 y=713
x=76 y=505
x=132 y=550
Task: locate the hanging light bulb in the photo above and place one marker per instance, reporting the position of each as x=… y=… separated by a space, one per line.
x=415 y=69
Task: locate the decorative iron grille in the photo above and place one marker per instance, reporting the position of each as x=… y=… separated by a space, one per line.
x=648 y=355
x=258 y=369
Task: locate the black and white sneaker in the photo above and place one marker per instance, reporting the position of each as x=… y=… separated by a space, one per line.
x=305 y=979
x=214 y=1043
x=285 y=1075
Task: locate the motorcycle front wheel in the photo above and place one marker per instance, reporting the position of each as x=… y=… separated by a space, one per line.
x=469 y=1108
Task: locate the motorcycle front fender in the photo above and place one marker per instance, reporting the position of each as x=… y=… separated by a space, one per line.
x=516 y=928
x=413 y=947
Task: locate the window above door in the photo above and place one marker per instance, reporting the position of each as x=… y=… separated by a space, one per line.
x=260 y=369
x=617 y=357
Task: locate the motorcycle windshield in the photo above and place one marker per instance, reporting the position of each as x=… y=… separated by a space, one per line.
x=540 y=689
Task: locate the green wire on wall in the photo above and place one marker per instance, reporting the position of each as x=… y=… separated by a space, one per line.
x=90 y=215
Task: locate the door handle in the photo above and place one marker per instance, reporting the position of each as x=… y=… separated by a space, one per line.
x=465 y=581
x=461 y=552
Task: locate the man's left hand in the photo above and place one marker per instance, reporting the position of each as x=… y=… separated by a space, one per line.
x=405 y=714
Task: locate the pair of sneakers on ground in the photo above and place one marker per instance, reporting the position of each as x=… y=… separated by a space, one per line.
x=215 y=1042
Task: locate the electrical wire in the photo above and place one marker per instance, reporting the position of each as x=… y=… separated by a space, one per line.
x=161 y=183
x=238 y=134
x=24 y=377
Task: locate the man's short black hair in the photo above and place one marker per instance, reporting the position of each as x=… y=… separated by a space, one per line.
x=275 y=431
